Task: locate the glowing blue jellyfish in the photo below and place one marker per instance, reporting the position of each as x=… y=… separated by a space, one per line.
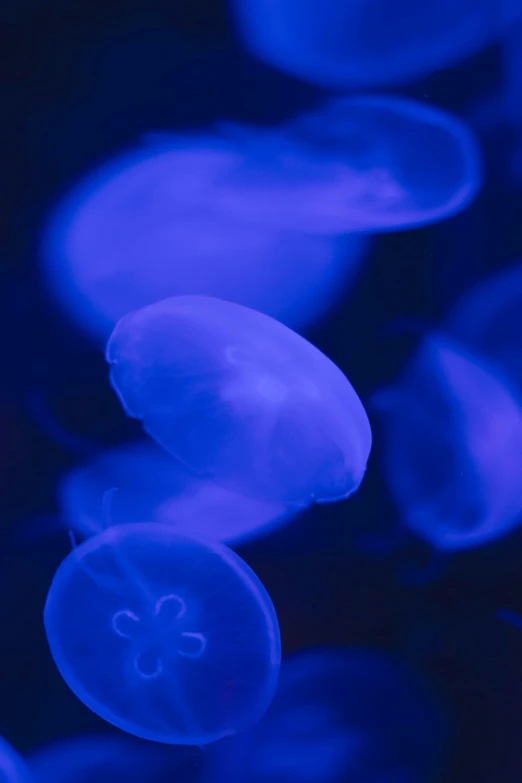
x=340 y=714
x=12 y=768
x=355 y=43
x=152 y=224
x=169 y=638
x=100 y=759
x=452 y=430
x=241 y=400
x=368 y=163
x=151 y=486
x=488 y=319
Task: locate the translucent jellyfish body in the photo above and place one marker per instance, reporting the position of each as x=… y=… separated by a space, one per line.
x=241 y=400
x=168 y=638
x=152 y=486
x=340 y=715
x=12 y=767
x=488 y=319
x=354 y=43
x=152 y=224
x=452 y=430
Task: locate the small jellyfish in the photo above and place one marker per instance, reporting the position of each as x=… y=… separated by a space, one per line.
x=153 y=223
x=152 y=486
x=241 y=400
x=488 y=320
x=12 y=767
x=340 y=715
x=166 y=637
x=452 y=429
x=362 y=164
x=354 y=43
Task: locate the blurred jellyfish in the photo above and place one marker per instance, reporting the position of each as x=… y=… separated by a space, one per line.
x=152 y=486
x=100 y=759
x=368 y=163
x=340 y=715
x=169 y=638
x=488 y=319
x=452 y=434
x=12 y=768
x=152 y=224
x=354 y=43
x=241 y=400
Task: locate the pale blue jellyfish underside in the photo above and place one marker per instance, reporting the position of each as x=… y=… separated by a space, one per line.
x=361 y=164
x=152 y=486
x=241 y=400
x=339 y=714
x=451 y=451
x=153 y=223
x=354 y=43
x=12 y=767
x=169 y=638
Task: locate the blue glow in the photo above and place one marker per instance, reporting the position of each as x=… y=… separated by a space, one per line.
x=12 y=767
x=241 y=400
x=168 y=638
x=154 y=487
x=355 y=43
x=154 y=223
x=339 y=714
x=451 y=451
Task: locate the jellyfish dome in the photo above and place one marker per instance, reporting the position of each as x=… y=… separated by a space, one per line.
x=12 y=767
x=353 y=43
x=241 y=400
x=340 y=715
x=452 y=430
x=152 y=486
x=166 y=637
x=362 y=164
x=488 y=319
x=152 y=224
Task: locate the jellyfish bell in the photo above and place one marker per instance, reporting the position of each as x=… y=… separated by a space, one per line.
x=452 y=429
x=12 y=767
x=152 y=486
x=340 y=714
x=356 y=44
x=169 y=638
x=153 y=223
x=361 y=164
x=241 y=400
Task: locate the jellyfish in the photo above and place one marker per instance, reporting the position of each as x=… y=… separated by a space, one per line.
x=488 y=320
x=152 y=486
x=152 y=224
x=361 y=164
x=12 y=767
x=169 y=638
x=340 y=715
x=241 y=400
x=350 y=43
x=101 y=759
x=451 y=434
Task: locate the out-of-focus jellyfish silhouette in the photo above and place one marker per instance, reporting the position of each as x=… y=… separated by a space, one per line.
x=354 y=43
x=169 y=638
x=241 y=399
x=340 y=715
x=12 y=767
x=153 y=224
x=368 y=163
x=488 y=319
x=100 y=759
x=452 y=429
x=152 y=486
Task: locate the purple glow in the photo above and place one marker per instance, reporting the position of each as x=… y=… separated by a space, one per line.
x=241 y=400
x=12 y=766
x=154 y=487
x=451 y=452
